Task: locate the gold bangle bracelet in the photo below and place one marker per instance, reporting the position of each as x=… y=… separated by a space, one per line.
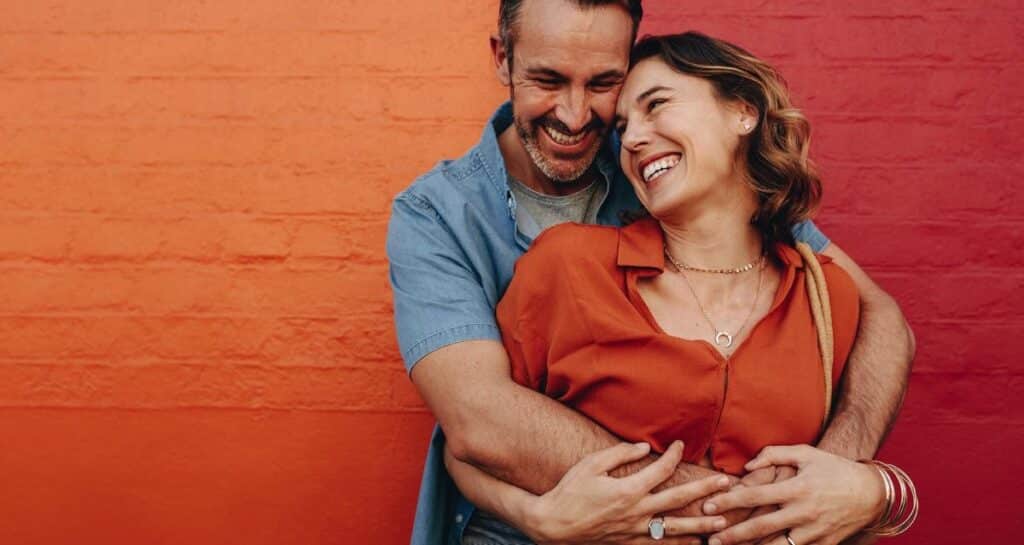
x=911 y=516
x=900 y=513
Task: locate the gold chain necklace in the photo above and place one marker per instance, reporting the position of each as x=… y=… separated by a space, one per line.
x=737 y=270
x=723 y=338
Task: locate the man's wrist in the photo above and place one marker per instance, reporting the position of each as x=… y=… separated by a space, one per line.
x=535 y=520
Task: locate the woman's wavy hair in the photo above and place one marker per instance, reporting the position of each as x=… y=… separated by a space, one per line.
x=779 y=170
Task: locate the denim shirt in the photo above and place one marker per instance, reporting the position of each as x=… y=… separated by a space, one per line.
x=452 y=244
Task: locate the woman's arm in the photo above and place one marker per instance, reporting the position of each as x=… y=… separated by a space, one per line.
x=588 y=505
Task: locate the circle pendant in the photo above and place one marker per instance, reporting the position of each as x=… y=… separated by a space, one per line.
x=723 y=339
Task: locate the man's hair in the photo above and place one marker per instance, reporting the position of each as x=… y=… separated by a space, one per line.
x=778 y=169
x=508 y=17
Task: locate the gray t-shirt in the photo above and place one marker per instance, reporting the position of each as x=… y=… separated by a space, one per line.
x=536 y=212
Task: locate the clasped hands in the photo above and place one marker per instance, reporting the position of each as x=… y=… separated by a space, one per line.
x=816 y=497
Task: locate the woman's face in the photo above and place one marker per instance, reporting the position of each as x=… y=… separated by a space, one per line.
x=680 y=141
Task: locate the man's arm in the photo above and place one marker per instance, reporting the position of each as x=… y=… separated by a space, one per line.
x=516 y=434
x=875 y=379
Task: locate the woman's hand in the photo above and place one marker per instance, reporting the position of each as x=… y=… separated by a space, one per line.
x=829 y=499
x=589 y=506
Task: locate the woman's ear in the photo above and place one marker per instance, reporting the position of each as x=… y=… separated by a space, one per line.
x=500 y=56
x=747 y=117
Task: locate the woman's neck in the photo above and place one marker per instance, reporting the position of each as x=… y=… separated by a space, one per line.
x=714 y=238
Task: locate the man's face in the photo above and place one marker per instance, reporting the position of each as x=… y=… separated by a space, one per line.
x=568 y=66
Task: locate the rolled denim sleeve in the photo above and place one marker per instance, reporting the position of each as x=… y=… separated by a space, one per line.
x=807 y=232
x=438 y=298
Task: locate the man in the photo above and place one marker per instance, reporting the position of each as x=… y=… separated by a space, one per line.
x=456 y=233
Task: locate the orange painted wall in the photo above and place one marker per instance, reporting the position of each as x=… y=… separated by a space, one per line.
x=196 y=343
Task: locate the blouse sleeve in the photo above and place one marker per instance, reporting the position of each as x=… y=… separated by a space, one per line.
x=525 y=348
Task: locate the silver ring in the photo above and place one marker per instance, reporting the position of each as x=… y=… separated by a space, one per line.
x=656 y=527
x=789 y=539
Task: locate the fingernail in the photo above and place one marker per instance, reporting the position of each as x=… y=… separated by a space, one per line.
x=710 y=508
x=715 y=541
x=719 y=524
x=724 y=481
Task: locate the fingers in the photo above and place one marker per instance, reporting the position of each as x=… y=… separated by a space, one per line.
x=680 y=496
x=783 y=473
x=656 y=473
x=804 y=535
x=794 y=455
x=755 y=528
x=684 y=526
x=764 y=475
x=749 y=496
x=680 y=526
x=774 y=539
x=610 y=458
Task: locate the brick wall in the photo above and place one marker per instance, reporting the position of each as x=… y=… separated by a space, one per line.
x=195 y=330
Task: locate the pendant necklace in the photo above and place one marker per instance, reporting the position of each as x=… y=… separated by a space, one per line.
x=723 y=338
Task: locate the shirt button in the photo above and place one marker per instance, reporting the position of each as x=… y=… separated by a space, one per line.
x=458 y=519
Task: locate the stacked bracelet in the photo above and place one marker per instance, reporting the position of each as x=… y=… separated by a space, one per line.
x=900 y=501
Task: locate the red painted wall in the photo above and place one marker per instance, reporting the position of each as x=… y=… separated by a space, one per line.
x=195 y=330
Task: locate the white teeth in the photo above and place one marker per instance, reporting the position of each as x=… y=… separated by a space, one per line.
x=659 y=167
x=565 y=139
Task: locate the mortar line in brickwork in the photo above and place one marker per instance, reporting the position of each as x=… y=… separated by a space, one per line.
x=239 y=264
x=213 y=315
x=216 y=408
x=385 y=364
x=369 y=122
x=372 y=217
x=351 y=71
x=993 y=323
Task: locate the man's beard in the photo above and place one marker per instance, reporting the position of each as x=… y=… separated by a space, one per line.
x=563 y=173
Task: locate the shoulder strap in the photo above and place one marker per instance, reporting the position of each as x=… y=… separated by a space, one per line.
x=821 y=310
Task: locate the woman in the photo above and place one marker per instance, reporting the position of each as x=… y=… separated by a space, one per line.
x=693 y=324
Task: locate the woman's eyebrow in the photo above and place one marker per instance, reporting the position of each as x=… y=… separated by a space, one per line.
x=640 y=98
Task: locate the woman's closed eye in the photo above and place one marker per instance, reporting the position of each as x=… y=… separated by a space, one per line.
x=654 y=103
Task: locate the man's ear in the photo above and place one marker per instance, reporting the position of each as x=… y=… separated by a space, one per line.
x=500 y=57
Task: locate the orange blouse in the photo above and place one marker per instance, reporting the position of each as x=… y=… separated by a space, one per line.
x=576 y=328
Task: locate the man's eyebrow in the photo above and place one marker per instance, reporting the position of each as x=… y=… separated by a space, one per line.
x=546 y=72
x=651 y=91
x=550 y=73
x=610 y=74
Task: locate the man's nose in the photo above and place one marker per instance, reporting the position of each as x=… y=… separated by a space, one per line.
x=574 y=109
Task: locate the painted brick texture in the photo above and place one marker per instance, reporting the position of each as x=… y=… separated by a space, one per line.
x=196 y=343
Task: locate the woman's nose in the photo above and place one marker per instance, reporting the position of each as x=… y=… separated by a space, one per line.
x=634 y=138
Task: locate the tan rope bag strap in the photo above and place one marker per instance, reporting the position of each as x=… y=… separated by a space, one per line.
x=821 y=310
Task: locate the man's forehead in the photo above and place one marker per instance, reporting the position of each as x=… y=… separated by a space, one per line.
x=561 y=24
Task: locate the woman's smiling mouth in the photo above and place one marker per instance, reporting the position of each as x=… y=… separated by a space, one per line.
x=653 y=170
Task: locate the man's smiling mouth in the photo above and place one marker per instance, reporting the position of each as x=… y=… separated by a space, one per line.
x=565 y=139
